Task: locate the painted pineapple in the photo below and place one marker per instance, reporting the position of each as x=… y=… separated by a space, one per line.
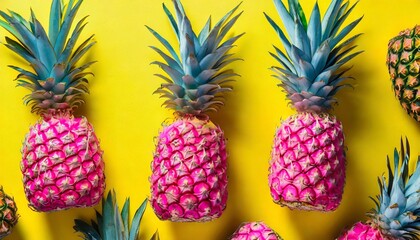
x=255 y=231
x=403 y=63
x=61 y=159
x=189 y=179
x=113 y=224
x=397 y=213
x=307 y=167
x=8 y=214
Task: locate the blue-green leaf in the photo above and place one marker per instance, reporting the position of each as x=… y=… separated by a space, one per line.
x=205 y=31
x=329 y=19
x=26 y=74
x=301 y=39
x=287 y=19
x=221 y=22
x=19 y=49
x=99 y=218
x=66 y=25
x=24 y=35
x=308 y=70
x=55 y=20
x=169 y=60
x=109 y=231
x=187 y=48
x=225 y=60
x=344 y=16
x=324 y=76
x=46 y=52
x=231 y=40
x=205 y=76
x=281 y=35
x=9 y=28
x=65 y=55
x=80 y=51
x=118 y=223
x=222 y=76
x=335 y=56
x=173 y=74
x=168 y=80
x=344 y=32
x=211 y=59
x=284 y=60
x=135 y=227
x=348 y=58
x=172 y=20
x=314 y=29
x=319 y=60
x=89 y=232
x=165 y=44
x=20 y=19
x=225 y=29
x=302 y=16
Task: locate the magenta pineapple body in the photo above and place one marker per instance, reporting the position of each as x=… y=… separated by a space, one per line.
x=307 y=170
x=62 y=164
x=189 y=178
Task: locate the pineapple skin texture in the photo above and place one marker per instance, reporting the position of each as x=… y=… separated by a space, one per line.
x=403 y=61
x=62 y=164
x=189 y=172
x=8 y=214
x=255 y=230
x=364 y=231
x=307 y=167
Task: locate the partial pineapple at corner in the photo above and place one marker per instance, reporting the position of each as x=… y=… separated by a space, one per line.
x=8 y=214
x=113 y=224
x=307 y=167
x=255 y=231
x=189 y=178
x=61 y=163
x=403 y=61
x=397 y=212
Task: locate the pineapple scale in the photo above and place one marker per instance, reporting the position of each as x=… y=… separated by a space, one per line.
x=189 y=178
x=307 y=170
x=62 y=164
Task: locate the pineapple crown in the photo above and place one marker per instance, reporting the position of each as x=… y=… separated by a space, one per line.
x=197 y=76
x=314 y=53
x=56 y=83
x=398 y=206
x=112 y=224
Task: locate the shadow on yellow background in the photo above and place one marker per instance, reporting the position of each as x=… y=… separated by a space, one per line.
x=127 y=117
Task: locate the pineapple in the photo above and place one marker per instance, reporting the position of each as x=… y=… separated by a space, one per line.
x=112 y=224
x=8 y=214
x=189 y=178
x=397 y=213
x=403 y=62
x=307 y=167
x=255 y=231
x=61 y=159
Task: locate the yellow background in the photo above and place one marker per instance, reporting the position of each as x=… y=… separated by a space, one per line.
x=127 y=117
